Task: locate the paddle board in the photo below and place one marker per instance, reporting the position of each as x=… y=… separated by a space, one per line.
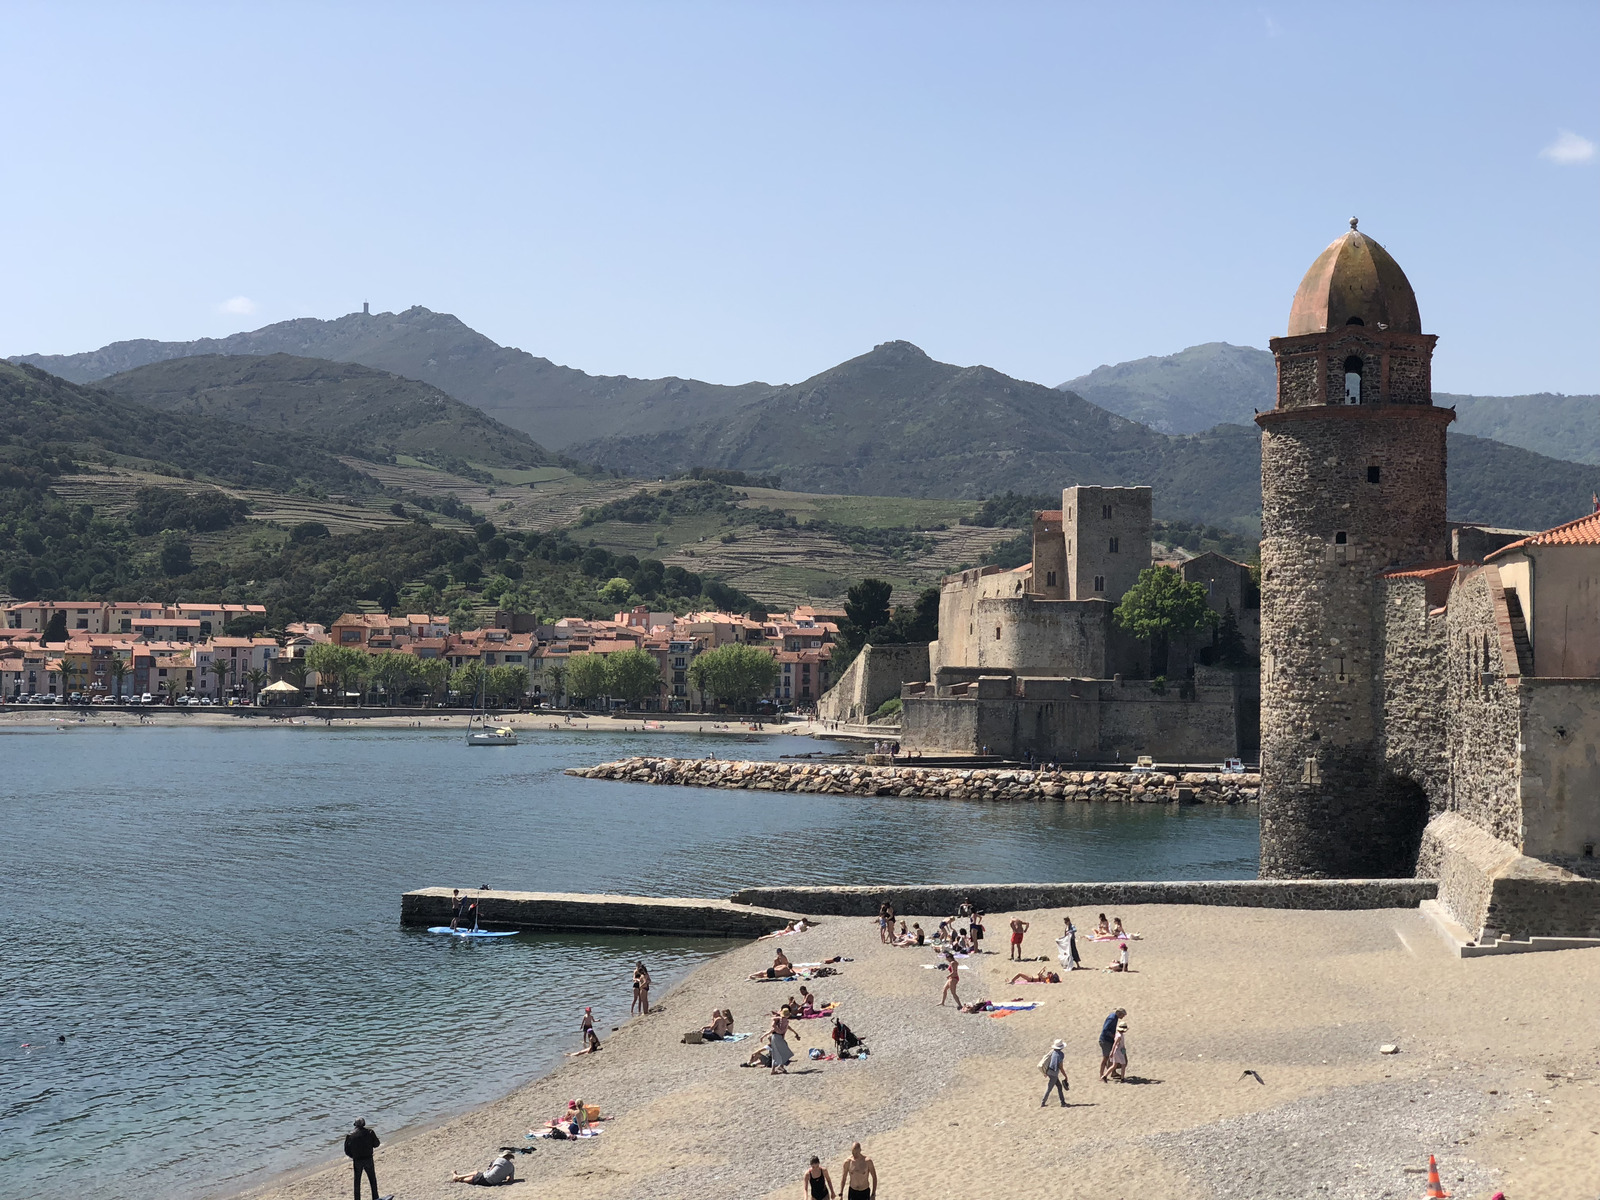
x=471 y=933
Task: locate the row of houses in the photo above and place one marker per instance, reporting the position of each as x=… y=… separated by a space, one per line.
x=116 y=650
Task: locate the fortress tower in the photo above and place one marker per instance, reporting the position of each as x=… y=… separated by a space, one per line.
x=1352 y=484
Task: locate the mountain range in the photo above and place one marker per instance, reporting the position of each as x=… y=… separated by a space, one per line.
x=349 y=408
x=890 y=422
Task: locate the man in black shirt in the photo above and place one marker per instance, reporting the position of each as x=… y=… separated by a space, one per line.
x=358 y=1147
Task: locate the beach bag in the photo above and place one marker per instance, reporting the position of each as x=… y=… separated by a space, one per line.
x=694 y=1037
x=1044 y=1066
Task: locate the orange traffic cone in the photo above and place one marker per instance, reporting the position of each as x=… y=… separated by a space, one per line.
x=1435 y=1188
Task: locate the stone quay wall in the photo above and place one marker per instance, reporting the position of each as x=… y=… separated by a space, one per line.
x=939 y=899
x=564 y=912
x=952 y=783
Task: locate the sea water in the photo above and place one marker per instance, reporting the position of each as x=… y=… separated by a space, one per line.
x=210 y=918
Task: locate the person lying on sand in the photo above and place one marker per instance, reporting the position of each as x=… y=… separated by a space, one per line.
x=799 y=926
x=591 y=1044
x=501 y=1170
x=781 y=968
x=915 y=938
x=977 y=1006
x=1045 y=975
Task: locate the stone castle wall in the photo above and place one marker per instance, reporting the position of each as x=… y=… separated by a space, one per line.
x=1484 y=715
x=1090 y=535
x=875 y=676
x=1414 y=656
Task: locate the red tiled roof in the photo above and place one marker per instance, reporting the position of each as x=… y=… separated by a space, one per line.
x=1585 y=531
x=1419 y=572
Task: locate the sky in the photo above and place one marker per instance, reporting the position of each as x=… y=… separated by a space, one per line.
x=759 y=190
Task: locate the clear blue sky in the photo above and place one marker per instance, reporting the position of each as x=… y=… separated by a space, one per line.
x=757 y=191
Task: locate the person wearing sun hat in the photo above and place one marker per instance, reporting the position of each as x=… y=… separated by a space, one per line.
x=1055 y=1073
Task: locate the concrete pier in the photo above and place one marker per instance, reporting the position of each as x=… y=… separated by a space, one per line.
x=567 y=912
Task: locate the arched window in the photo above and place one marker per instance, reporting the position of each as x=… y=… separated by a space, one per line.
x=1355 y=321
x=1352 y=379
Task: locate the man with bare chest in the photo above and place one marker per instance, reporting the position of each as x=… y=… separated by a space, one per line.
x=858 y=1176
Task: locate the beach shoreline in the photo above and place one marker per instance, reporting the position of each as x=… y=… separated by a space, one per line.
x=162 y=717
x=1495 y=1073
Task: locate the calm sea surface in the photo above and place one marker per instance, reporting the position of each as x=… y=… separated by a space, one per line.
x=210 y=918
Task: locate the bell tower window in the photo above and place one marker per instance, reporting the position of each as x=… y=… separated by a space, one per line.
x=1352 y=379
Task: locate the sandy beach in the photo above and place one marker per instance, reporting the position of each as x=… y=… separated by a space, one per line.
x=375 y=718
x=1495 y=1074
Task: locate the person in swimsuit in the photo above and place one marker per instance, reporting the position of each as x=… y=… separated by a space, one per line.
x=952 y=978
x=858 y=1176
x=1045 y=975
x=1103 y=929
x=585 y=1025
x=1117 y=931
x=1018 y=928
x=591 y=1044
x=816 y=1183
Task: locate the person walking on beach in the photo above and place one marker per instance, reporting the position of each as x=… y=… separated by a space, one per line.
x=359 y=1144
x=885 y=926
x=1018 y=928
x=1067 y=947
x=816 y=1183
x=858 y=1177
x=952 y=978
x=1054 y=1067
x=1108 y=1039
x=1116 y=1070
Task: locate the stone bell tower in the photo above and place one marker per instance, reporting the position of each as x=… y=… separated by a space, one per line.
x=1352 y=484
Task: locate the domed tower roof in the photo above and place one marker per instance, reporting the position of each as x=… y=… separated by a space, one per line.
x=1354 y=282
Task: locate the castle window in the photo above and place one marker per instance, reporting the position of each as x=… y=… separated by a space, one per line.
x=1113 y=545
x=1372 y=474
x=1050 y=579
x=1352 y=379
x=1099 y=583
x=997 y=633
x=1340 y=538
x=1105 y=511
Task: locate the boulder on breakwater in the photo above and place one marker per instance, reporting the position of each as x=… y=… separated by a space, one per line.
x=950 y=783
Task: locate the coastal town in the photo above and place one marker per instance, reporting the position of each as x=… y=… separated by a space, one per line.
x=194 y=654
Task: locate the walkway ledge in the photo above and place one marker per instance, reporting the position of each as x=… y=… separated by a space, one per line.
x=568 y=912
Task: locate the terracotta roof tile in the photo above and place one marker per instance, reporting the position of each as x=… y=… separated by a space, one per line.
x=1585 y=531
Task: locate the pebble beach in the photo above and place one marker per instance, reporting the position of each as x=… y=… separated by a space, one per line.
x=1495 y=1074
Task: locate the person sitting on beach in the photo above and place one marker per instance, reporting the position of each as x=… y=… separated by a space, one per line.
x=719 y=1028
x=591 y=1044
x=1122 y=960
x=1103 y=929
x=501 y=1170
x=810 y=1006
x=1117 y=931
x=1045 y=975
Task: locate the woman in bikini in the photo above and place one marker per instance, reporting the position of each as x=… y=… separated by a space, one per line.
x=641 y=976
x=816 y=1183
x=951 y=979
x=1117 y=931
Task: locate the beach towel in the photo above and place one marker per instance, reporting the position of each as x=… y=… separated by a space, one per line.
x=942 y=967
x=1016 y=1005
x=736 y=1037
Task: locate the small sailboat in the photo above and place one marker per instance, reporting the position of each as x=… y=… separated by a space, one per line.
x=478 y=731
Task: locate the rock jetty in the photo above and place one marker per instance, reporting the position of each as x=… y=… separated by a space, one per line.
x=952 y=783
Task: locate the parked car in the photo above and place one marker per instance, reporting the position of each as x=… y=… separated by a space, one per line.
x=1144 y=763
x=1233 y=766
x=146 y=698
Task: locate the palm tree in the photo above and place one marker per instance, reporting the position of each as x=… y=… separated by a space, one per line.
x=119 y=672
x=172 y=687
x=220 y=670
x=257 y=678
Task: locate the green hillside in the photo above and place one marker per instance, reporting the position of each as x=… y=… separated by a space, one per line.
x=348 y=408
x=555 y=405
x=1560 y=426
x=43 y=415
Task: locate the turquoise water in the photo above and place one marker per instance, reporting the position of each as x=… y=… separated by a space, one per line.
x=210 y=918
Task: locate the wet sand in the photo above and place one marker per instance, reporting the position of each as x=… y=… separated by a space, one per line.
x=1495 y=1075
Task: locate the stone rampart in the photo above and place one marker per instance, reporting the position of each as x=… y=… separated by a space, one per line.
x=874 y=677
x=563 y=912
x=939 y=899
x=953 y=783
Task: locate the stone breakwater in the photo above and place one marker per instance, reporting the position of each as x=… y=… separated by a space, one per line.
x=952 y=783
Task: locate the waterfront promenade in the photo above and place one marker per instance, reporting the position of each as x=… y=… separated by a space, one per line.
x=1494 y=1074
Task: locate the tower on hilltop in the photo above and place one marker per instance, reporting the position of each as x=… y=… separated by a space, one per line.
x=1352 y=484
